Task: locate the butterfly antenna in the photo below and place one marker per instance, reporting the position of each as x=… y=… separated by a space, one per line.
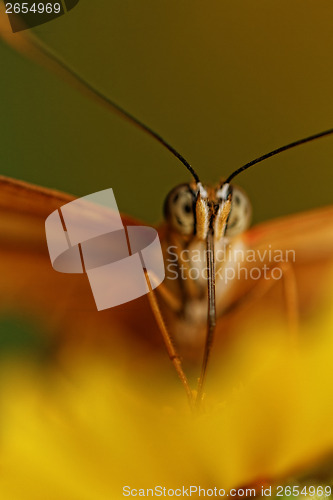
x=277 y=151
x=35 y=49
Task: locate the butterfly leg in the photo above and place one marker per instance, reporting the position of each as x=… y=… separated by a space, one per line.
x=171 y=300
x=171 y=350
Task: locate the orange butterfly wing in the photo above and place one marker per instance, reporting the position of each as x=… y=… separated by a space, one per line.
x=63 y=304
x=310 y=236
x=60 y=304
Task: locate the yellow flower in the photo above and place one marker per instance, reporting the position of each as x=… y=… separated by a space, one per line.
x=85 y=430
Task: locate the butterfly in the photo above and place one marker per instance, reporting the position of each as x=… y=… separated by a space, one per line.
x=201 y=223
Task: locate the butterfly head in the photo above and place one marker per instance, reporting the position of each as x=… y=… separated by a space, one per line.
x=191 y=209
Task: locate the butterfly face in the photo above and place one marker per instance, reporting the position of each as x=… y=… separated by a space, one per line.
x=194 y=214
x=180 y=209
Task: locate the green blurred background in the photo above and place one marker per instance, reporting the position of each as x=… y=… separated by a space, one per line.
x=222 y=81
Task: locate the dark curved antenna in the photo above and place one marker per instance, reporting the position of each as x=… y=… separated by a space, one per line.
x=33 y=44
x=118 y=109
x=275 y=152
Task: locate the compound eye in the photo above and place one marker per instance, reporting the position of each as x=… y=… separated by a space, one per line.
x=179 y=209
x=240 y=214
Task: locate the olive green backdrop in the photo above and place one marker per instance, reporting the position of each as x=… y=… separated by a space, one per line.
x=223 y=81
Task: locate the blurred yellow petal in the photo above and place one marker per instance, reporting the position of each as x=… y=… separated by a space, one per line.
x=87 y=429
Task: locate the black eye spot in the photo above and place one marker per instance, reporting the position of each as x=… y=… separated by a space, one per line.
x=237 y=200
x=187 y=208
x=175 y=198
